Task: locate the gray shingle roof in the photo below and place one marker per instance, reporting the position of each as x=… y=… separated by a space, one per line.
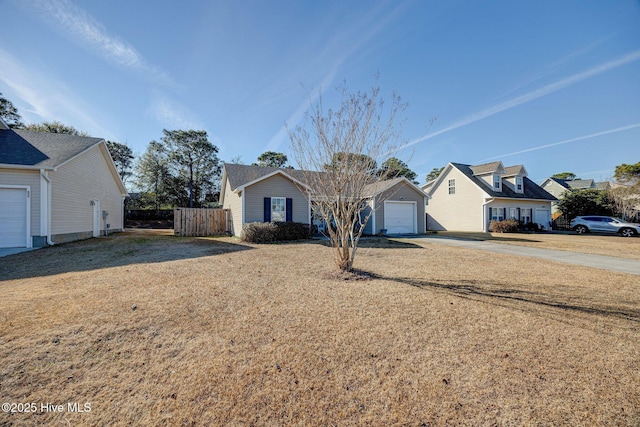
x=581 y=183
x=484 y=168
x=41 y=149
x=514 y=170
x=531 y=189
x=239 y=175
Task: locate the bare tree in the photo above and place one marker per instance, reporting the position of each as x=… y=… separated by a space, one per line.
x=327 y=148
x=625 y=191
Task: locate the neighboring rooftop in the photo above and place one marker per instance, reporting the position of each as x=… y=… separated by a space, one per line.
x=579 y=184
x=40 y=149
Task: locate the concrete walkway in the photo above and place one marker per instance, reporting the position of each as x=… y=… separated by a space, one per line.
x=11 y=251
x=596 y=261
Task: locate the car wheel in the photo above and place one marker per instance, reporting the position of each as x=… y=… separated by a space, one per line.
x=627 y=232
x=580 y=229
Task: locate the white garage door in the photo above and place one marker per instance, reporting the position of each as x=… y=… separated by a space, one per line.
x=400 y=217
x=13 y=217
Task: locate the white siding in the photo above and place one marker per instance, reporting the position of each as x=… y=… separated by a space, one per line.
x=75 y=185
x=555 y=190
x=461 y=211
x=32 y=179
x=233 y=202
x=274 y=186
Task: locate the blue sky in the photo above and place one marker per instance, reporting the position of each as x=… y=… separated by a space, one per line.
x=553 y=85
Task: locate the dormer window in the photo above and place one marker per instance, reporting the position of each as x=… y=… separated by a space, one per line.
x=497 y=183
x=519 y=183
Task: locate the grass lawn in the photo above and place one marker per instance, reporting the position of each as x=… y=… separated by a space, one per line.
x=591 y=243
x=151 y=329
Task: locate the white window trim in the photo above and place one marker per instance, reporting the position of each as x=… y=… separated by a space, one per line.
x=452 y=185
x=520 y=183
x=496 y=178
x=285 y=208
x=494 y=210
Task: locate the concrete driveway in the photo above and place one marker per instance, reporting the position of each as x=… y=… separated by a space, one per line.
x=596 y=261
x=11 y=251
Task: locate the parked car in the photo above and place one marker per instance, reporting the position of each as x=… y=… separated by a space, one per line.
x=604 y=224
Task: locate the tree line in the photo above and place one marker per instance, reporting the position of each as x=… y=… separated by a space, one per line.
x=182 y=168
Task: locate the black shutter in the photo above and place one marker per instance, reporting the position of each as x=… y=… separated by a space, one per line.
x=267 y=209
x=490 y=212
x=289 y=212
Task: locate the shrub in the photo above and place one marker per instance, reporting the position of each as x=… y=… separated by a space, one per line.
x=506 y=226
x=269 y=232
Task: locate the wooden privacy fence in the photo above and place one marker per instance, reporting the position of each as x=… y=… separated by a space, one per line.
x=192 y=222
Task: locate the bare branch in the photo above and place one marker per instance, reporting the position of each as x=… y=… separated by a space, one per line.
x=338 y=152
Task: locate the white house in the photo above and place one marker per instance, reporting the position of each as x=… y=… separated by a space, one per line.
x=55 y=188
x=468 y=197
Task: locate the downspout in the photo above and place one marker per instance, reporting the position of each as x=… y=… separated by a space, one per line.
x=484 y=213
x=48 y=181
x=373 y=216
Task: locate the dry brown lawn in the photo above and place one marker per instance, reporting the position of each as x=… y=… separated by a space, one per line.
x=597 y=244
x=225 y=333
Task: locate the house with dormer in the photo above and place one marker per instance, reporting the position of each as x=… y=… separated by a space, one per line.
x=468 y=197
x=558 y=187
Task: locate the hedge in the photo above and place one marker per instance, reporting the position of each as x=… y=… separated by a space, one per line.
x=269 y=232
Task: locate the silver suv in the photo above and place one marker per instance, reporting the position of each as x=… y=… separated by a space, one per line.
x=604 y=224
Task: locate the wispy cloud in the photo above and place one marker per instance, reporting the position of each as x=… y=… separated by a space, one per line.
x=340 y=48
x=532 y=95
x=554 y=66
x=80 y=26
x=566 y=141
x=45 y=98
x=172 y=114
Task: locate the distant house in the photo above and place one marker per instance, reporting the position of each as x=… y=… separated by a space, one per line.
x=468 y=197
x=557 y=187
x=264 y=194
x=56 y=188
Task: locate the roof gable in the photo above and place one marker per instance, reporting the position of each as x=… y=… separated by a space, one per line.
x=531 y=189
x=378 y=187
x=488 y=168
x=560 y=182
x=517 y=170
x=240 y=176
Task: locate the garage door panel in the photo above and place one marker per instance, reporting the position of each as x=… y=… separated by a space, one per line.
x=400 y=217
x=13 y=217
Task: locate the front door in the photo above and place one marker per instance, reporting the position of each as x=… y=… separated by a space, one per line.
x=543 y=218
